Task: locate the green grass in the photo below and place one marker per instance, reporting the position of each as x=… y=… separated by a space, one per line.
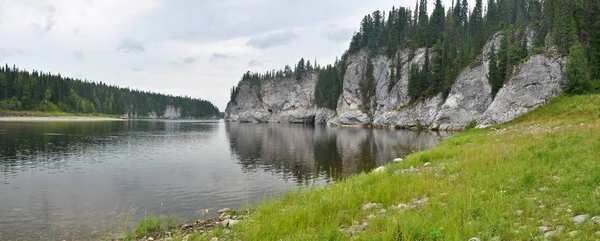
x=504 y=181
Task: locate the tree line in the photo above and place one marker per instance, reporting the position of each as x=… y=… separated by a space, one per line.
x=453 y=37
x=24 y=90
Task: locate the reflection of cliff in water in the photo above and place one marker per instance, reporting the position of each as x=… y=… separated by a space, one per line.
x=308 y=152
x=51 y=145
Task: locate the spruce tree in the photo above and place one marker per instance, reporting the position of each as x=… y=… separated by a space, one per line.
x=564 y=25
x=594 y=52
x=577 y=72
x=494 y=77
x=437 y=21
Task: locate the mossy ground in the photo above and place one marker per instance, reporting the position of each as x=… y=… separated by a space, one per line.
x=503 y=181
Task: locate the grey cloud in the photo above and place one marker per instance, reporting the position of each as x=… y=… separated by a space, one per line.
x=4 y=53
x=206 y=21
x=216 y=57
x=338 y=35
x=7 y=53
x=49 y=21
x=137 y=70
x=254 y=63
x=272 y=40
x=77 y=54
x=130 y=45
x=188 y=60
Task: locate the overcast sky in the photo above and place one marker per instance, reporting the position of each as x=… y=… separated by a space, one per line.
x=198 y=48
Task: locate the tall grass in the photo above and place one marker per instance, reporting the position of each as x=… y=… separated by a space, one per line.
x=500 y=182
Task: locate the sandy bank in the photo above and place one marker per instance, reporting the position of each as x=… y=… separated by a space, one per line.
x=56 y=118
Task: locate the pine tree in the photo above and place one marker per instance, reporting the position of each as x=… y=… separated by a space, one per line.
x=564 y=25
x=414 y=82
x=438 y=67
x=437 y=21
x=577 y=72
x=503 y=59
x=494 y=77
x=3 y=87
x=423 y=25
x=594 y=52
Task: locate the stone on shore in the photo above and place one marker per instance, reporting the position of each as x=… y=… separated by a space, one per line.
x=379 y=169
x=579 y=218
x=224 y=210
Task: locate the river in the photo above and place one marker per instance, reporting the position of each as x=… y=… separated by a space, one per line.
x=84 y=180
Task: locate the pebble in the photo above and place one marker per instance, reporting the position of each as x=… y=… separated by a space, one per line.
x=427 y=164
x=474 y=239
x=421 y=201
x=357 y=228
x=370 y=206
x=519 y=212
x=595 y=220
x=543 y=229
x=398 y=160
x=573 y=233
x=150 y=239
x=549 y=234
x=224 y=210
x=379 y=169
x=214 y=239
x=579 y=218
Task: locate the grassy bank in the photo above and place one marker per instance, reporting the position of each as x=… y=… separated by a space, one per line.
x=15 y=113
x=518 y=181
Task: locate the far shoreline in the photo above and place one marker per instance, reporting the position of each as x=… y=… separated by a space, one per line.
x=56 y=118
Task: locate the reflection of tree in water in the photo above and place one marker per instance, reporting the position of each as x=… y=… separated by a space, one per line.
x=327 y=156
x=48 y=145
x=44 y=144
x=305 y=152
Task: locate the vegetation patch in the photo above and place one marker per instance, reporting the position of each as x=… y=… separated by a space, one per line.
x=534 y=177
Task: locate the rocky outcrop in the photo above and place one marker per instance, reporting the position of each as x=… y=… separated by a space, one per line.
x=152 y=115
x=279 y=100
x=470 y=96
x=531 y=84
x=129 y=115
x=536 y=81
x=172 y=113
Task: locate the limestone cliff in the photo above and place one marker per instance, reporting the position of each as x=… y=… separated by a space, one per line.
x=279 y=100
x=532 y=83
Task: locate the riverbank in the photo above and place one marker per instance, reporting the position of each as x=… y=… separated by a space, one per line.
x=57 y=118
x=536 y=177
x=42 y=116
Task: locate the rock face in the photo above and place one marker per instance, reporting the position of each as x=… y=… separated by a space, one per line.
x=152 y=115
x=283 y=100
x=531 y=84
x=172 y=113
x=539 y=79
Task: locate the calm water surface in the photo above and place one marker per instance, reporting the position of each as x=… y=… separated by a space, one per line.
x=81 y=180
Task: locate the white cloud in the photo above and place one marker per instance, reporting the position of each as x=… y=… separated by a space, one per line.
x=79 y=39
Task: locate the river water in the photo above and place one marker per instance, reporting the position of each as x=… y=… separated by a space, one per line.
x=84 y=180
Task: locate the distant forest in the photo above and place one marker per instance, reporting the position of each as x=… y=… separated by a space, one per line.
x=24 y=90
x=455 y=35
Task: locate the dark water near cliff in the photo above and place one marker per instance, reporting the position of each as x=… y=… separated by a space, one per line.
x=79 y=180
